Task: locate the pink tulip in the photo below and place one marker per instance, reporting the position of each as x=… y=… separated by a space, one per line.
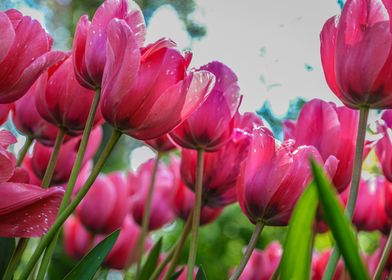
x=4 y=112
x=262 y=264
x=162 y=144
x=24 y=54
x=161 y=210
x=370 y=211
x=356 y=54
x=63 y=101
x=384 y=144
x=373 y=260
x=319 y=264
x=138 y=83
x=273 y=177
x=89 y=48
x=29 y=122
x=77 y=240
x=332 y=131
x=211 y=126
x=25 y=210
x=105 y=206
x=41 y=155
x=221 y=170
x=184 y=199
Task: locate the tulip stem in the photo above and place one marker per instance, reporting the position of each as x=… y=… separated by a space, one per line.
x=53 y=159
x=355 y=179
x=24 y=150
x=72 y=206
x=146 y=215
x=72 y=180
x=384 y=258
x=196 y=213
x=248 y=252
x=177 y=249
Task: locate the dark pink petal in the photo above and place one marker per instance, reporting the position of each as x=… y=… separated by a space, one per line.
x=27 y=210
x=4 y=112
x=7 y=35
x=77 y=240
x=15 y=16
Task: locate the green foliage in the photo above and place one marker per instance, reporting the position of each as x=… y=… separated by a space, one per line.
x=7 y=246
x=339 y=224
x=89 y=265
x=152 y=261
x=297 y=254
x=201 y=274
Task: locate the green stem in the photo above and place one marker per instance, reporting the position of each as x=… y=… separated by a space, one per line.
x=24 y=150
x=72 y=206
x=146 y=216
x=15 y=259
x=177 y=250
x=196 y=213
x=251 y=246
x=53 y=159
x=384 y=258
x=72 y=180
x=356 y=178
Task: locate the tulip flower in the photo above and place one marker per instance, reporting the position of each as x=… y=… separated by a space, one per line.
x=331 y=130
x=162 y=144
x=384 y=144
x=4 y=112
x=221 y=170
x=356 y=54
x=77 y=240
x=319 y=265
x=29 y=122
x=63 y=101
x=370 y=212
x=184 y=199
x=105 y=206
x=263 y=263
x=89 y=48
x=24 y=54
x=138 y=82
x=41 y=155
x=161 y=210
x=211 y=126
x=25 y=210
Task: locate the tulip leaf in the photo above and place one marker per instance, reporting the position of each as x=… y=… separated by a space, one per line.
x=297 y=254
x=151 y=262
x=7 y=246
x=89 y=265
x=341 y=228
x=201 y=274
x=176 y=274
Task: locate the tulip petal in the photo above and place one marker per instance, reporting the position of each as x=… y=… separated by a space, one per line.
x=7 y=35
x=27 y=210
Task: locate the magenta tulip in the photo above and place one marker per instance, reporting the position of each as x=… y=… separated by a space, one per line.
x=25 y=210
x=184 y=198
x=68 y=151
x=332 y=131
x=161 y=210
x=77 y=240
x=89 y=49
x=4 y=112
x=273 y=177
x=105 y=206
x=262 y=264
x=370 y=211
x=384 y=144
x=319 y=265
x=138 y=83
x=211 y=126
x=24 y=54
x=356 y=54
x=162 y=144
x=63 y=101
x=29 y=122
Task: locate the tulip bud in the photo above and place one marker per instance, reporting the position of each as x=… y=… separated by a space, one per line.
x=77 y=240
x=319 y=265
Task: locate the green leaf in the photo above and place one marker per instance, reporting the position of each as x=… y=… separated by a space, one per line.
x=201 y=274
x=176 y=274
x=341 y=228
x=151 y=262
x=89 y=265
x=7 y=246
x=297 y=254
